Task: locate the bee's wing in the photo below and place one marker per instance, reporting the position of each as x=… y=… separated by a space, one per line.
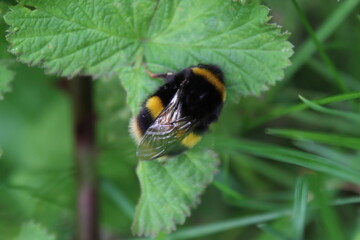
x=164 y=136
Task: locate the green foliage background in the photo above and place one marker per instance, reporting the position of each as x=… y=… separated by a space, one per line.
x=289 y=165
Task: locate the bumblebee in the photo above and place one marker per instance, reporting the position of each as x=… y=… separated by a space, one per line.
x=174 y=118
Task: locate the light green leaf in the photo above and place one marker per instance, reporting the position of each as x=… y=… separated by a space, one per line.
x=6 y=76
x=170 y=190
x=70 y=37
x=234 y=35
x=100 y=37
x=33 y=230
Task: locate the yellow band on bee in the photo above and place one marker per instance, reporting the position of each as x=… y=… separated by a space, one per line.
x=190 y=140
x=155 y=106
x=211 y=78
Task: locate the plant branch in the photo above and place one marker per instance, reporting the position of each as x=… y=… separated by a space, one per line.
x=84 y=127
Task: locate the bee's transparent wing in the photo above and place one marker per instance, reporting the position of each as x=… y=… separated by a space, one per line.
x=164 y=136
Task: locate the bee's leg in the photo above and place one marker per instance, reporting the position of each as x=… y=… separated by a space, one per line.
x=166 y=76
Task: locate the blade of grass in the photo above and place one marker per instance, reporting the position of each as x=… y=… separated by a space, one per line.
x=199 y=231
x=332 y=139
x=332 y=229
x=336 y=76
x=319 y=120
x=265 y=169
x=345 y=201
x=227 y=224
x=287 y=155
x=273 y=232
x=300 y=207
x=251 y=203
x=118 y=198
x=348 y=115
x=299 y=107
x=356 y=235
x=320 y=68
x=330 y=153
x=236 y=199
x=325 y=30
x=228 y=191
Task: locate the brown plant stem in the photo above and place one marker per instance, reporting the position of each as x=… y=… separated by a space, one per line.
x=84 y=128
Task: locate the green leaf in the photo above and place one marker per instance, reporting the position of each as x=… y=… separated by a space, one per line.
x=6 y=76
x=101 y=37
x=169 y=190
x=33 y=230
x=71 y=37
x=232 y=34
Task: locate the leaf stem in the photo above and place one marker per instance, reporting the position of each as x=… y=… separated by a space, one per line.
x=84 y=127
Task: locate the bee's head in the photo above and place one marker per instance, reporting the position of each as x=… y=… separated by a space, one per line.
x=214 y=70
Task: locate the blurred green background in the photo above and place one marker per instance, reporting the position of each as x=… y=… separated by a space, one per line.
x=256 y=183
